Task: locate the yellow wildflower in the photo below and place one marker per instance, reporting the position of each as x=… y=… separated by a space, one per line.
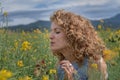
x=5 y=13
x=94 y=65
x=20 y=78
x=108 y=54
x=46 y=30
x=108 y=29
x=4 y=74
x=26 y=46
x=16 y=44
x=45 y=77
x=35 y=37
x=2 y=31
x=117 y=32
x=28 y=78
x=20 y=63
x=23 y=33
x=52 y=71
x=25 y=78
x=99 y=26
x=46 y=35
x=37 y=31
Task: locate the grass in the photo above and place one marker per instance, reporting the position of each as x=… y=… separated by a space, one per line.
x=20 y=51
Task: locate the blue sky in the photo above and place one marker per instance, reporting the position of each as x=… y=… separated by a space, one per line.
x=27 y=11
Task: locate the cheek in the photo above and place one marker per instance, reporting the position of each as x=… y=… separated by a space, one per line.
x=62 y=42
x=61 y=39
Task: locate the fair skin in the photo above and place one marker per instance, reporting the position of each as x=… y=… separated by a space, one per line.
x=58 y=42
x=103 y=68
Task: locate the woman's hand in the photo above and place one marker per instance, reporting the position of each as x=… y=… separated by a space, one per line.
x=68 y=67
x=103 y=68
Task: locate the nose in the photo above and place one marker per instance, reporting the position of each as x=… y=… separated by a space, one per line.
x=51 y=36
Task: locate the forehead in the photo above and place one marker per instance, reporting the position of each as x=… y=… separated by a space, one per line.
x=55 y=26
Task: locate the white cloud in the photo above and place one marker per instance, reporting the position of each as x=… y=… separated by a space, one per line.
x=90 y=8
x=13 y=5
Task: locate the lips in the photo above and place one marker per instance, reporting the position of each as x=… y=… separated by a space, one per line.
x=52 y=43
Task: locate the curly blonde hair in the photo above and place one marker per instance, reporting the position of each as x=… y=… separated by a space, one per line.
x=80 y=34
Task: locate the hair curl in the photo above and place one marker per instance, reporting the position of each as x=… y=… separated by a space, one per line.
x=80 y=34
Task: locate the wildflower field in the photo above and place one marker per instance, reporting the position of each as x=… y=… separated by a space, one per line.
x=21 y=51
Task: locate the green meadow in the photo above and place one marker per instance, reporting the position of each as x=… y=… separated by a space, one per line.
x=21 y=51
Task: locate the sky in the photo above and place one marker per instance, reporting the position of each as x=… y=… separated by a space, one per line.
x=27 y=11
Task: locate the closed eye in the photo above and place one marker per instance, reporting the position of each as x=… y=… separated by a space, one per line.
x=57 y=32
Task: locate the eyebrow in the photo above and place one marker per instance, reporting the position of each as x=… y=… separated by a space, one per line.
x=57 y=28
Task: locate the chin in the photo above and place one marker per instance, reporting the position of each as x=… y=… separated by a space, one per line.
x=54 y=49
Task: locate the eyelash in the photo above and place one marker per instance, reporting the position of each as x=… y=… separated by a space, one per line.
x=57 y=32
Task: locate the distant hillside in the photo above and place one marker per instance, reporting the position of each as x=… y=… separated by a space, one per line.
x=113 y=22
x=29 y=27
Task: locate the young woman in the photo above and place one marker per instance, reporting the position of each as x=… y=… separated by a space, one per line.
x=75 y=42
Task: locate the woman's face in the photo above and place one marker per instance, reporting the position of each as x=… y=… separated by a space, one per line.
x=57 y=38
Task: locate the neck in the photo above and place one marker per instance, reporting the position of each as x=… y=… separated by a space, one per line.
x=67 y=53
